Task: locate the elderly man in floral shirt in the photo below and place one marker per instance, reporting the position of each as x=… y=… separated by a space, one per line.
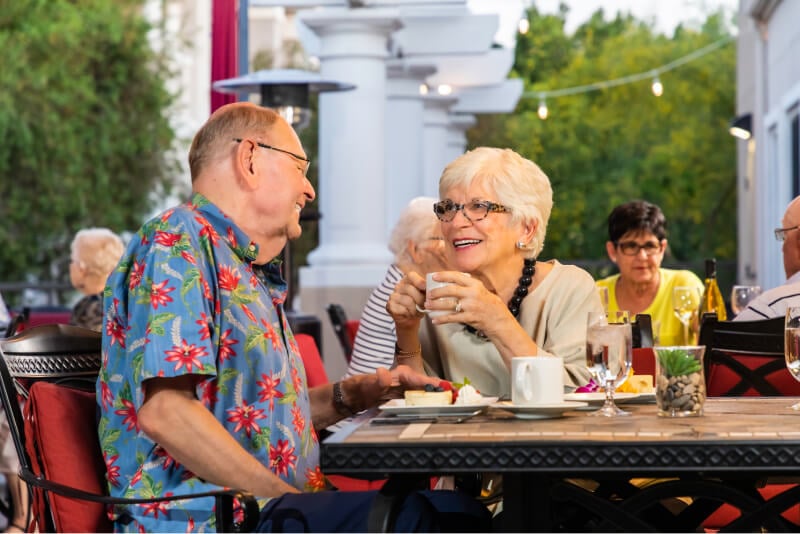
x=202 y=385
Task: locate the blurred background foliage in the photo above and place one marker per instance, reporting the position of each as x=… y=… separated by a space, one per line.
x=85 y=138
x=605 y=147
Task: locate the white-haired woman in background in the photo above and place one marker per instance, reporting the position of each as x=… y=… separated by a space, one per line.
x=494 y=210
x=95 y=253
x=417 y=244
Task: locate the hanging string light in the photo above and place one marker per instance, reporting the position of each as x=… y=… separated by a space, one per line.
x=542 y=111
x=657 y=87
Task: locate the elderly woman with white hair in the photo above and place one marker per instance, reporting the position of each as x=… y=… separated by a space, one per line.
x=95 y=253
x=494 y=210
x=417 y=244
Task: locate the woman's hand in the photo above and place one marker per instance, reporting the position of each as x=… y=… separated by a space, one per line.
x=466 y=300
x=408 y=294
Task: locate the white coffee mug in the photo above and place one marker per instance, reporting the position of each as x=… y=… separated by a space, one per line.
x=537 y=380
x=431 y=284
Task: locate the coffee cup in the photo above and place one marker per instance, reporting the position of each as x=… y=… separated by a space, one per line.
x=431 y=284
x=537 y=380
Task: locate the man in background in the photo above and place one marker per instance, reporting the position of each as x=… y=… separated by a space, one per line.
x=773 y=303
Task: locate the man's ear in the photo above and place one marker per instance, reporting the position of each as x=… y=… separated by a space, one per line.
x=611 y=250
x=244 y=163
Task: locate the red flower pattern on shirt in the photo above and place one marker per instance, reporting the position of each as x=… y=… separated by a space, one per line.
x=245 y=417
x=159 y=294
x=186 y=355
x=282 y=457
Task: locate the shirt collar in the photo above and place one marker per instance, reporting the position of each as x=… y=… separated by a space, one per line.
x=238 y=241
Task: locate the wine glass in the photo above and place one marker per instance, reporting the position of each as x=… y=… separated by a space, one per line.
x=685 y=302
x=741 y=297
x=609 y=355
x=791 y=347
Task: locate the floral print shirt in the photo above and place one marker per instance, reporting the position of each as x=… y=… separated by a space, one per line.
x=188 y=299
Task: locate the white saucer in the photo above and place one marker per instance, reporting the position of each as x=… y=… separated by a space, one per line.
x=599 y=397
x=539 y=411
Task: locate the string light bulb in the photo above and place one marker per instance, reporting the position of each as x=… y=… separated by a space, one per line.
x=444 y=89
x=542 y=111
x=524 y=26
x=657 y=87
x=423 y=89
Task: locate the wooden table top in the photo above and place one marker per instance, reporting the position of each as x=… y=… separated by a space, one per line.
x=745 y=432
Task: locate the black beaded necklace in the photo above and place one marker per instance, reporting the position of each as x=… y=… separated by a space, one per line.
x=528 y=270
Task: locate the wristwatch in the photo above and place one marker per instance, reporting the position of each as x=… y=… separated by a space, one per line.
x=338 y=401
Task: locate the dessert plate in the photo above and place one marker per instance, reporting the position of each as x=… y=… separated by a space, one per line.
x=398 y=407
x=599 y=397
x=644 y=398
x=540 y=411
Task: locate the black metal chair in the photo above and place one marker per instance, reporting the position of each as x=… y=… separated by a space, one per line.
x=340 y=322
x=745 y=358
x=642 y=331
x=55 y=368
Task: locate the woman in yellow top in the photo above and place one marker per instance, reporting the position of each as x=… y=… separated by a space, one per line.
x=637 y=242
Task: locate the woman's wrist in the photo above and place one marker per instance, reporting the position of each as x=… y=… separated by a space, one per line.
x=401 y=353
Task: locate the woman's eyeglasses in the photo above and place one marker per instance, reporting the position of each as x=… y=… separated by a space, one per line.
x=474 y=211
x=632 y=248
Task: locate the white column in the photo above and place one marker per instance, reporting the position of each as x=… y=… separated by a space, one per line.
x=352 y=244
x=404 y=137
x=457 y=134
x=437 y=121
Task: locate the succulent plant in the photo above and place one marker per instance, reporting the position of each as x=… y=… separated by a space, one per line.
x=677 y=362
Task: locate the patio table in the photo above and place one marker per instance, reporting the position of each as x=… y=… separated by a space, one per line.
x=721 y=457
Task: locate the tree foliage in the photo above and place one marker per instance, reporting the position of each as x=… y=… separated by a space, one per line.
x=84 y=138
x=605 y=147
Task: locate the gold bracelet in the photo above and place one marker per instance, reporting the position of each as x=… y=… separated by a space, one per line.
x=400 y=353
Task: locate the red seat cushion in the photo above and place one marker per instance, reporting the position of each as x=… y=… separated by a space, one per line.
x=61 y=431
x=315 y=369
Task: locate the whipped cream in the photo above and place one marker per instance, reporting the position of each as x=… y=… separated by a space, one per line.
x=468 y=395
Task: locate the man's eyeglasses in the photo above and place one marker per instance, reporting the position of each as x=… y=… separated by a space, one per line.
x=632 y=248
x=306 y=162
x=780 y=233
x=474 y=211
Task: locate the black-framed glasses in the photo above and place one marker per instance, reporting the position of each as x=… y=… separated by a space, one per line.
x=632 y=248
x=306 y=161
x=780 y=233
x=474 y=211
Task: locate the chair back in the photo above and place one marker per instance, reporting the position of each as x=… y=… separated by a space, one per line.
x=55 y=367
x=312 y=361
x=644 y=361
x=61 y=439
x=642 y=331
x=745 y=358
x=56 y=435
x=339 y=321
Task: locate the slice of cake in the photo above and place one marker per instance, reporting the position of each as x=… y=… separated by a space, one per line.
x=417 y=397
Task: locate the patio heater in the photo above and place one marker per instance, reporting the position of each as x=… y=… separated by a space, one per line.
x=287 y=92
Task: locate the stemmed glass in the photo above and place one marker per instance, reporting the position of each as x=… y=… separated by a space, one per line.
x=791 y=347
x=685 y=302
x=741 y=297
x=609 y=355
